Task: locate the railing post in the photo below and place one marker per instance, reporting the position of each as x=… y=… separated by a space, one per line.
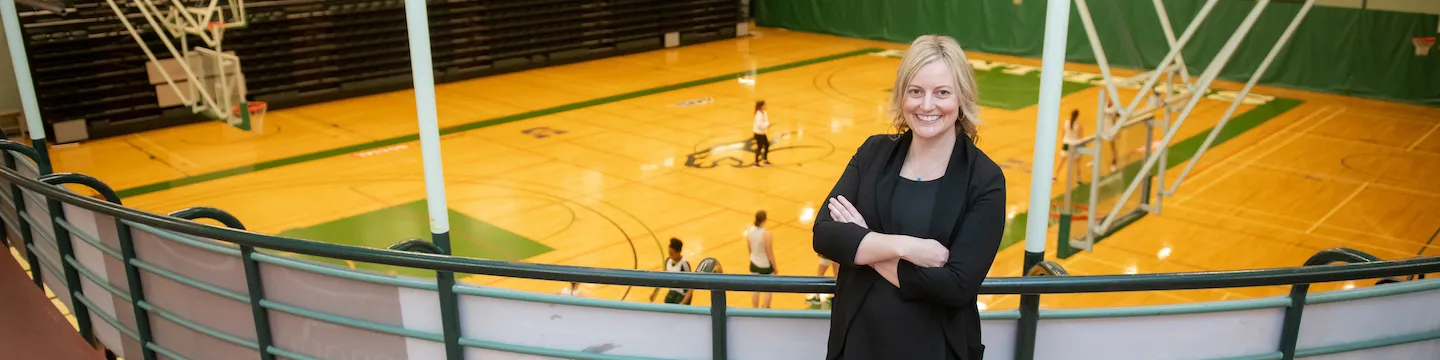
x=27 y=242
x=263 y=338
x=1290 y=330
x=261 y=315
x=450 y=314
x=719 y=341
x=127 y=253
x=1030 y=306
x=6 y=146
x=449 y=302
x=137 y=290
x=72 y=277
x=1028 y=326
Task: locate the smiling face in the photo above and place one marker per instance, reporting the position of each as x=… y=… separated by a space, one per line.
x=932 y=106
x=935 y=90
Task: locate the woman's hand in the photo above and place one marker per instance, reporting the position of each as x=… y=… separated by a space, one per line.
x=842 y=211
x=923 y=252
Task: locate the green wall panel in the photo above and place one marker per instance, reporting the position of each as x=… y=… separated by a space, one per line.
x=1339 y=50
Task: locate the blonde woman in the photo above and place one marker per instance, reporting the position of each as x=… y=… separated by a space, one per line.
x=915 y=220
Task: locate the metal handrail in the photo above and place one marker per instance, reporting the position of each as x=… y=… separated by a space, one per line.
x=729 y=282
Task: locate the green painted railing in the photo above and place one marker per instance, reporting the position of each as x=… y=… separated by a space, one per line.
x=1046 y=278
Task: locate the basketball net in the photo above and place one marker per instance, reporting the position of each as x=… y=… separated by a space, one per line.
x=1423 y=45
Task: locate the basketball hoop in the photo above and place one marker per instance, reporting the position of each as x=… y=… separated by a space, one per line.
x=1423 y=45
x=216 y=29
x=256 y=119
x=1078 y=212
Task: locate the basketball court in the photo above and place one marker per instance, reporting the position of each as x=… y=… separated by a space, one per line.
x=600 y=163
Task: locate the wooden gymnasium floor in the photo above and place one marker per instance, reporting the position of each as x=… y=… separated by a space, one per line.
x=586 y=164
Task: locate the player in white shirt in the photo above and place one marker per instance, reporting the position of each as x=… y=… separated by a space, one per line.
x=1071 y=134
x=826 y=265
x=762 y=255
x=761 y=128
x=675 y=263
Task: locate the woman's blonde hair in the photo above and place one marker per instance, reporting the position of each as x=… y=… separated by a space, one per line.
x=924 y=50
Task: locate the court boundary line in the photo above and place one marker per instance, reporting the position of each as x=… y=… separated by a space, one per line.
x=1337 y=207
x=1344 y=240
x=1422 y=138
x=1343 y=179
x=291 y=160
x=1292 y=136
x=1222 y=206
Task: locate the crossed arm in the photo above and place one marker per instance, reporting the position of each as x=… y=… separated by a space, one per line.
x=972 y=252
x=841 y=234
x=847 y=241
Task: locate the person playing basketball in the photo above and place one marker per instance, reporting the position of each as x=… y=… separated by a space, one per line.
x=1116 y=121
x=761 y=127
x=762 y=255
x=572 y=290
x=675 y=263
x=826 y=265
x=1070 y=144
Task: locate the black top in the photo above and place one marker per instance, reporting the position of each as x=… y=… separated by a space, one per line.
x=934 y=308
x=884 y=312
x=911 y=206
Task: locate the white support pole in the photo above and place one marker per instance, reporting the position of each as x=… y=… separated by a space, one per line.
x=424 y=75
x=1097 y=155
x=1057 y=22
x=1209 y=75
x=28 y=101
x=1160 y=192
x=1170 y=38
x=183 y=13
x=1089 y=25
x=185 y=63
x=1264 y=65
x=1169 y=57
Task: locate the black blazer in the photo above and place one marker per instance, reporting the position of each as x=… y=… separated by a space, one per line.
x=969 y=217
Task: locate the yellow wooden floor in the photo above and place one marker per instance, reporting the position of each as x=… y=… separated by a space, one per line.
x=1335 y=171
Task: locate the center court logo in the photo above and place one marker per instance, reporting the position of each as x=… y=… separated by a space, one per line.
x=786 y=148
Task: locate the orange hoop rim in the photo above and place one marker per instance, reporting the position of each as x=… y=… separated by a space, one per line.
x=1082 y=211
x=1423 y=44
x=253 y=107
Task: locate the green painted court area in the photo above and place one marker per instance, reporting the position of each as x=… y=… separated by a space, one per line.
x=382 y=228
x=1014 y=92
x=1005 y=90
